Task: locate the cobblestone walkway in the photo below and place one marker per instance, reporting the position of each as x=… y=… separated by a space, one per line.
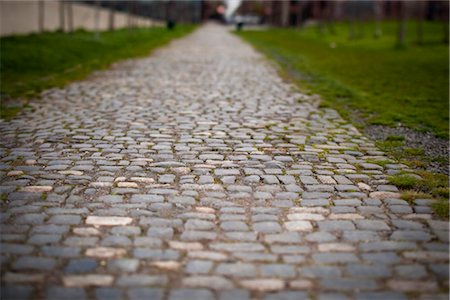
x=197 y=173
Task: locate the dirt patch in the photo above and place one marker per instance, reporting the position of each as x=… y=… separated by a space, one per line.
x=433 y=147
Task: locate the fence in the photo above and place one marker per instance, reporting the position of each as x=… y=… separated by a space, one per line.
x=23 y=17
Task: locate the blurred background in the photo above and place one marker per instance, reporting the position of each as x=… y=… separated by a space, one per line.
x=21 y=17
x=298 y=12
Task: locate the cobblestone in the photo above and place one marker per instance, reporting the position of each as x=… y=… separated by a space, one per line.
x=61 y=293
x=198 y=267
x=146 y=182
x=34 y=263
x=82 y=265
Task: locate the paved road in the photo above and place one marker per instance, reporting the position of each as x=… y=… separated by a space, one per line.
x=198 y=173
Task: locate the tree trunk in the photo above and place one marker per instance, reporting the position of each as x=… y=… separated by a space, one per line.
x=61 y=15
x=300 y=14
x=170 y=16
x=401 y=24
x=133 y=14
x=285 y=13
x=318 y=15
x=97 y=20
x=378 y=11
x=331 y=6
x=351 y=22
x=69 y=16
x=41 y=15
x=359 y=20
x=420 y=17
x=445 y=17
x=111 y=17
x=128 y=11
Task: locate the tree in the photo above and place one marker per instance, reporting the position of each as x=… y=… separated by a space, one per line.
x=361 y=18
x=401 y=33
x=128 y=12
x=299 y=13
x=62 y=6
x=330 y=15
x=378 y=14
x=97 y=20
x=420 y=16
x=285 y=13
x=318 y=11
x=133 y=14
x=111 y=15
x=170 y=18
x=445 y=15
x=41 y=15
x=69 y=16
x=351 y=20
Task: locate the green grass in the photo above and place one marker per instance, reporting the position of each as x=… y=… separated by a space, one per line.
x=382 y=163
x=392 y=138
x=429 y=185
x=8 y=112
x=403 y=181
x=32 y=63
x=441 y=208
x=368 y=80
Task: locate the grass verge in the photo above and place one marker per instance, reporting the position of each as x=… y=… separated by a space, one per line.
x=428 y=186
x=421 y=184
x=369 y=81
x=32 y=63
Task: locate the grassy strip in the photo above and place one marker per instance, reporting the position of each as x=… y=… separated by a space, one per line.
x=33 y=63
x=369 y=81
x=426 y=185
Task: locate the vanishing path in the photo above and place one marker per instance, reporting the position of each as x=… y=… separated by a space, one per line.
x=197 y=173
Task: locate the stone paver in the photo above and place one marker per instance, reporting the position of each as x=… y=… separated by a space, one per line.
x=198 y=173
